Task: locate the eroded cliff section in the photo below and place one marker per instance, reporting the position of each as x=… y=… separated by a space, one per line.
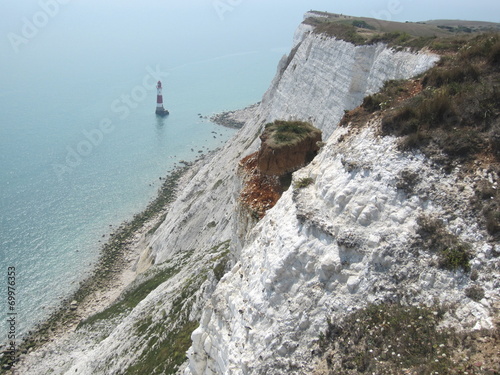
x=356 y=234
x=287 y=146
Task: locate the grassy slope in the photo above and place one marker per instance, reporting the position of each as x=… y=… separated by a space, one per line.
x=453 y=116
x=472 y=24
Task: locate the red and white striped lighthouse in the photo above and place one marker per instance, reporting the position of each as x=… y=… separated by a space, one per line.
x=159 y=101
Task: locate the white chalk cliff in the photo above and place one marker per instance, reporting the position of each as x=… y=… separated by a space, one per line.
x=320 y=79
x=326 y=249
x=345 y=240
x=333 y=247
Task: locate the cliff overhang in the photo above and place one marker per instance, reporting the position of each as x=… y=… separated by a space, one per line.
x=287 y=146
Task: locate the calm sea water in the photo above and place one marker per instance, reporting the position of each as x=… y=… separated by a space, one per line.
x=80 y=145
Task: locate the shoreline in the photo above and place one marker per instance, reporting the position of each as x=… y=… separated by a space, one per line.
x=119 y=260
x=234 y=119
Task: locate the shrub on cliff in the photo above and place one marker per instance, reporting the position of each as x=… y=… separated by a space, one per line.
x=387 y=339
x=303 y=182
x=458 y=108
x=453 y=253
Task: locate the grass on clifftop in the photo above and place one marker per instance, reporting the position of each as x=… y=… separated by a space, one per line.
x=453 y=108
x=283 y=133
x=413 y=35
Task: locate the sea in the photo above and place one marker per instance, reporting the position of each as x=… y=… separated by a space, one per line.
x=81 y=149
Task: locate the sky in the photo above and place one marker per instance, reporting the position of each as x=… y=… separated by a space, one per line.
x=62 y=35
x=233 y=22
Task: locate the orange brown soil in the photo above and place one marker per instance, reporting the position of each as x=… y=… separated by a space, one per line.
x=260 y=192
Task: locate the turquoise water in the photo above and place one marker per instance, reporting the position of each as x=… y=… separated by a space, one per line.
x=80 y=146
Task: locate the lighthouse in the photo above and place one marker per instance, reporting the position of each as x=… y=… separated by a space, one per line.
x=160 y=111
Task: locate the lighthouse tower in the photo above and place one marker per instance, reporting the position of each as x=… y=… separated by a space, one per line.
x=159 y=101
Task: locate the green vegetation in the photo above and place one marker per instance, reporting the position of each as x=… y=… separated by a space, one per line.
x=289 y=132
x=169 y=338
x=362 y=25
x=475 y=292
x=167 y=354
x=453 y=253
x=407 y=181
x=487 y=201
x=387 y=339
x=217 y=184
x=458 y=111
x=398 y=38
x=222 y=249
x=443 y=37
x=451 y=113
x=303 y=182
x=220 y=268
x=221 y=260
x=341 y=31
x=155 y=227
x=132 y=296
x=363 y=31
x=391 y=90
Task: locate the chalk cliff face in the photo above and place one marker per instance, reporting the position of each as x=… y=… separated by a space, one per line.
x=266 y=311
x=331 y=248
x=324 y=250
x=345 y=240
x=320 y=79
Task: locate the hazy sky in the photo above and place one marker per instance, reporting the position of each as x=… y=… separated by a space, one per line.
x=268 y=15
x=49 y=31
x=275 y=19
